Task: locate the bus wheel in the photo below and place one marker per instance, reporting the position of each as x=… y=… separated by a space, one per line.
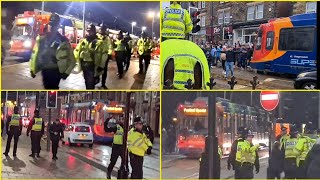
x=309 y=86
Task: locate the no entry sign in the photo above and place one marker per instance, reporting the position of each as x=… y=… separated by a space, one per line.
x=269 y=100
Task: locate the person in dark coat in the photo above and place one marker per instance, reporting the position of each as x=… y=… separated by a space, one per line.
x=56 y=132
x=275 y=162
x=312 y=162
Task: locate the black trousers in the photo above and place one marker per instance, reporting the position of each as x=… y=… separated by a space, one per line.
x=15 y=137
x=51 y=78
x=136 y=163
x=302 y=171
x=120 y=58
x=88 y=74
x=117 y=150
x=273 y=173
x=244 y=172
x=55 y=145
x=146 y=59
x=128 y=57
x=105 y=72
x=35 y=141
x=290 y=168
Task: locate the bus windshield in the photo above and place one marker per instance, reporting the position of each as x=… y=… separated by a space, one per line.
x=22 y=31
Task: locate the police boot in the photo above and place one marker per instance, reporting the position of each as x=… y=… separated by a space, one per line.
x=38 y=155
x=32 y=155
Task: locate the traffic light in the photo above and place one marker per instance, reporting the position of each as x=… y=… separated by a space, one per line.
x=194 y=13
x=52 y=99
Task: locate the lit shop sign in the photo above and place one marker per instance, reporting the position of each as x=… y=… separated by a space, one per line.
x=25 y=21
x=114 y=109
x=195 y=111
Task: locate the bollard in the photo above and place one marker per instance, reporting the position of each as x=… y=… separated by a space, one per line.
x=189 y=84
x=168 y=84
x=232 y=82
x=254 y=83
x=211 y=83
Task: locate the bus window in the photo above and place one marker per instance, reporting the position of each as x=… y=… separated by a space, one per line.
x=270 y=39
x=297 y=39
x=259 y=39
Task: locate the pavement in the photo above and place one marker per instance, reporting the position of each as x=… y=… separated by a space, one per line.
x=243 y=78
x=16 y=75
x=74 y=162
x=176 y=166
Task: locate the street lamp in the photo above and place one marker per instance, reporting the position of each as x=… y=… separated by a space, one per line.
x=143 y=28
x=174 y=119
x=151 y=14
x=133 y=24
x=83 y=14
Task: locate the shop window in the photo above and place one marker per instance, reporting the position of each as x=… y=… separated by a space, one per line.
x=297 y=39
x=255 y=12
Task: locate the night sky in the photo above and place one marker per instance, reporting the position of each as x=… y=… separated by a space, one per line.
x=123 y=12
x=302 y=106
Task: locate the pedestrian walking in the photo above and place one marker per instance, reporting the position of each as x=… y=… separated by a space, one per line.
x=56 y=133
x=13 y=129
x=36 y=126
x=138 y=145
x=213 y=55
x=120 y=53
x=52 y=55
x=230 y=61
x=144 y=50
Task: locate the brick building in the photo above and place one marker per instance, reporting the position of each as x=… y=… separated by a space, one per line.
x=304 y=7
x=239 y=21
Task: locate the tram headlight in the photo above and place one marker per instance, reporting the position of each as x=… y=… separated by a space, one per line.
x=27 y=44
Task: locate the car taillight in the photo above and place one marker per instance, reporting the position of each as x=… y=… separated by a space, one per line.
x=182 y=138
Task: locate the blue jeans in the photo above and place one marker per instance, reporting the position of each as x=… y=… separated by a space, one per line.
x=229 y=67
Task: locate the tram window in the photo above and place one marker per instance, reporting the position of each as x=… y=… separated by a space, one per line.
x=270 y=39
x=259 y=40
x=297 y=39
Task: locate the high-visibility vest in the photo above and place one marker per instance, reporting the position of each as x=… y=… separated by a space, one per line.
x=283 y=140
x=302 y=147
x=118 y=136
x=15 y=120
x=246 y=152
x=289 y=147
x=138 y=143
x=175 y=22
x=37 y=126
x=185 y=55
x=58 y=54
x=144 y=46
x=119 y=45
x=106 y=43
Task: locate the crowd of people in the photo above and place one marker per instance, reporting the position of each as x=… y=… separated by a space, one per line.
x=228 y=56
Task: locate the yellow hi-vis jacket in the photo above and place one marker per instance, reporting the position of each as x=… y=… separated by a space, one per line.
x=91 y=52
x=15 y=120
x=185 y=55
x=302 y=147
x=144 y=46
x=138 y=143
x=107 y=43
x=58 y=54
x=289 y=148
x=37 y=126
x=283 y=140
x=246 y=152
x=175 y=22
x=118 y=136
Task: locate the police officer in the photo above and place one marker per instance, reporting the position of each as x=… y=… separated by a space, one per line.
x=144 y=50
x=13 y=129
x=90 y=54
x=117 y=146
x=56 y=133
x=129 y=41
x=175 y=22
x=182 y=60
x=52 y=55
x=241 y=151
x=302 y=148
x=290 y=155
x=120 y=52
x=36 y=126
x=138 y=145
x=108 y=47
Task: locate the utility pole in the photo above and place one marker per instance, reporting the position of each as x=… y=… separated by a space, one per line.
x=42 y=6
x=83 y=18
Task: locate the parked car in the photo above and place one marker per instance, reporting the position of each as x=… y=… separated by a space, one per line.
x=78 y=133
x=306 y=80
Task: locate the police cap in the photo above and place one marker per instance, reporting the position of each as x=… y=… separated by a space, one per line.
x=137 y=120
x=16 y=109
x=54 y=20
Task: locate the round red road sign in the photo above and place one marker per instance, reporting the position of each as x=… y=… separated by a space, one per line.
x=269 y=100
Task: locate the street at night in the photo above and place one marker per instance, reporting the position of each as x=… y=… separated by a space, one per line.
x=93 y=126
x=123 y=46
x=188 y=120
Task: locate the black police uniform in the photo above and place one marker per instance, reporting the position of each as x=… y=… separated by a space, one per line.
x=15 y=132
x=128 y=52
x=56 y=132
x=35 y=137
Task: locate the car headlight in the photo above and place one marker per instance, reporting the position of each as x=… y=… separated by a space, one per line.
x=27 y=44
x=11 y=42
x=302 y=75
